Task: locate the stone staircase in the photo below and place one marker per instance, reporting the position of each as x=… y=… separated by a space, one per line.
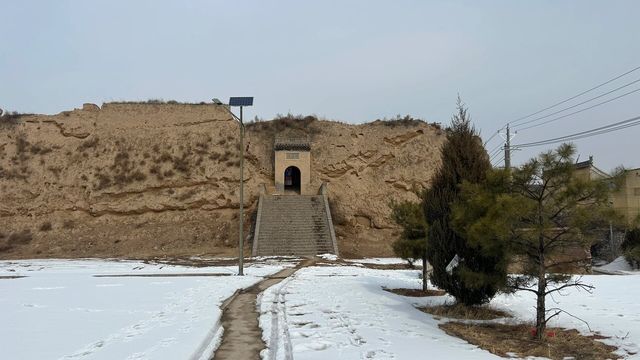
x=293 y=225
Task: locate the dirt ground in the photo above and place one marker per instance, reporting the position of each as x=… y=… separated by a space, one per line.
x=503 y=340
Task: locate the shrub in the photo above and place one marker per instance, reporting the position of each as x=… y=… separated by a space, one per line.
x=631 y=239
x=11 y=117
x=46 y=226
x=631 y=247
x=104 y=181
x=39 y=149
x=225 y=157
x=56 y=170
x=159 y=102
x=182 y=164
x=169 y=173
x=165 y=157
x=282 y=122
x=406 y=120
x=20 y=238
x=21 y=143
x=89 y=144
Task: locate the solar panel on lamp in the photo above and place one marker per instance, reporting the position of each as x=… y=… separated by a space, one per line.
x=241 y=101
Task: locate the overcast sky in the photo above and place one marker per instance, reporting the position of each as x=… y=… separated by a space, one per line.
x=353 y=61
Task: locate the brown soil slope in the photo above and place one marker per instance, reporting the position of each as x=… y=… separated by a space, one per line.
x=148 y=180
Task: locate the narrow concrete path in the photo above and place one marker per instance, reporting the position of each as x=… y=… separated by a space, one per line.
x=242 y=337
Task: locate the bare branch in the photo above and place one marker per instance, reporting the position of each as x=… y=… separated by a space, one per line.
x=586 y=287
x=568 y=313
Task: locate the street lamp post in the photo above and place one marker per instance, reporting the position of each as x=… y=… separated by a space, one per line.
x=239 y=102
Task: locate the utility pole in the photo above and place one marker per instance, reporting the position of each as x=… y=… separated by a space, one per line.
x=239 y=102
x=507 y=150
x=241 y=257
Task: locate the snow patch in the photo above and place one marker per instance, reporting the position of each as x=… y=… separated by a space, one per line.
x=62 y=311
x=378 y=261
x=619 y=266
x=329 y=257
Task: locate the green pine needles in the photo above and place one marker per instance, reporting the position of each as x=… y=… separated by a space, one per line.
x=479 y=275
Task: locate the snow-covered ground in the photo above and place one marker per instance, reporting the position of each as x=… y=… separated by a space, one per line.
x=619 y=266
x=60 y=310
x=94 y=309
x=343 y=313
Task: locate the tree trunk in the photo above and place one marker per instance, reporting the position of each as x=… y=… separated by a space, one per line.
x=541 y=312
x=425 y=279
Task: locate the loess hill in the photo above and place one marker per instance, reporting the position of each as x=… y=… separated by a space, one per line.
x=137 y=180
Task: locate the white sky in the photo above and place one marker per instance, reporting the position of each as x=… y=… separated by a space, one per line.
x=351 y=61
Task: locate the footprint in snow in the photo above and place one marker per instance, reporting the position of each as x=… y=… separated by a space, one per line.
x=49 y=288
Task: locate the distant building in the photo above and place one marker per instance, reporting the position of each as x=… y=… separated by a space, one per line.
x=627 y=199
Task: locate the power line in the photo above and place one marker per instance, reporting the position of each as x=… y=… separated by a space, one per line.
x=582 y=103
x=494 y=135
x=495 y=155
x=495 y=163
x=579 y=111
x=575 y=96
x=495 y=149
x=587 y=133
x=562 y=102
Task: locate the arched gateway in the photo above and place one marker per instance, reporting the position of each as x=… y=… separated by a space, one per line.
x=292 y=153
x=292 y=179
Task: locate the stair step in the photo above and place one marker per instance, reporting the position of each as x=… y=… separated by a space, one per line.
x=293 y=225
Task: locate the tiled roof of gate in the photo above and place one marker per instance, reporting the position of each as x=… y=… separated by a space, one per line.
x=292 y=141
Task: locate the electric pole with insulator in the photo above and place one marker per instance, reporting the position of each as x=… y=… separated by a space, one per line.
x=507 y=150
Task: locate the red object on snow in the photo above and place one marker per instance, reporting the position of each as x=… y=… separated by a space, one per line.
x=549 y=333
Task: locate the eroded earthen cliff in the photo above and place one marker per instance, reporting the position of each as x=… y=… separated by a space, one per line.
x=148 y=180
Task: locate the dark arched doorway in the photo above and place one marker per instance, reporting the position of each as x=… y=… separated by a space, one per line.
x=292 y=179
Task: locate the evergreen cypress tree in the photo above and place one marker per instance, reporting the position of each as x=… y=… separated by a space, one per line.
x=463 y=159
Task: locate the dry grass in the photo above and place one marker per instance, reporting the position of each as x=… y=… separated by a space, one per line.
x=415 y=292
x=503 y=339
x=168 y=173
x=12 y=115
x=159 y=102
x=404 y=121
x=39 y=149
x=20 y=238
x=460 y=311
x=89 y=144
x=46 y=226
x=282 y=122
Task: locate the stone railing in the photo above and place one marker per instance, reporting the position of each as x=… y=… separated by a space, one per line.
x=324 y=192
